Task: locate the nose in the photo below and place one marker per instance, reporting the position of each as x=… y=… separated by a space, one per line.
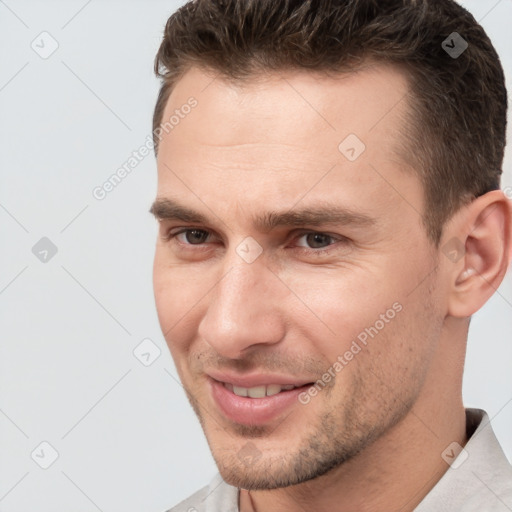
x=244 y=309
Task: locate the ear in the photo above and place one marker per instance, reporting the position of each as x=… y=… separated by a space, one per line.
x=477 y=248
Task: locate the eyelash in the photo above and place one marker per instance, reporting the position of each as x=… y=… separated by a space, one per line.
x=171 y=237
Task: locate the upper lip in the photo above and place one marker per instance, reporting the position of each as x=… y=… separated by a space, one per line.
x=256 y=379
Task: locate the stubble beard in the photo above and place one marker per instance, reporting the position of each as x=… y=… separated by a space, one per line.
x=337 y=436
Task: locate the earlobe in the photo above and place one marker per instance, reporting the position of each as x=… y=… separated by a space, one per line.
x=483 y=229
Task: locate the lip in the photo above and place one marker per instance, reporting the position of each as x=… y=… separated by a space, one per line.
x=254 y=411
x=253 y=380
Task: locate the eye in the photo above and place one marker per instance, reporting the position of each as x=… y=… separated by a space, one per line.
x=315 y=240
x=191 y=236
x=312 y=243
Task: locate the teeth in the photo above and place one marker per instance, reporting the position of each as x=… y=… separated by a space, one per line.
x=259 y=391
x=240 y=391
x=273 y=389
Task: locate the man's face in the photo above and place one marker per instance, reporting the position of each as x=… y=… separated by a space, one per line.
x=300 y=253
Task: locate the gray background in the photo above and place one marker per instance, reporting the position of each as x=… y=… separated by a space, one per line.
x=125 y=435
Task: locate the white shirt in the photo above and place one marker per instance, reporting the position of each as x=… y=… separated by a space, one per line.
x=478 y=480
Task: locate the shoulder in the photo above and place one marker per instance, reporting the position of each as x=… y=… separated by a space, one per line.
x=491 y=472
x=480 y=477
x=218 y=496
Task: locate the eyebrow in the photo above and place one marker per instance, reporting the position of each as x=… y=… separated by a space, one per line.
x=168 y=209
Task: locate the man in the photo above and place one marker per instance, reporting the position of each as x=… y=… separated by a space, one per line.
x=330 y=218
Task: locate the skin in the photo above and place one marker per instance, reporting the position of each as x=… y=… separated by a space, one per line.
x=373 y=438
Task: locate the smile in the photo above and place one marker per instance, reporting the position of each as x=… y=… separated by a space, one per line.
x=255 y=404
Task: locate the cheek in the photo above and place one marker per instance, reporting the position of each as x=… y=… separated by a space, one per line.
x=379 y=367
x=341 y=306
x=178 y=297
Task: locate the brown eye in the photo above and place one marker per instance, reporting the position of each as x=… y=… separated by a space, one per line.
x=194 y=236
x=316 y=240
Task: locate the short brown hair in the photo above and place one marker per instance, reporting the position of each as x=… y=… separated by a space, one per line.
x=456 y=121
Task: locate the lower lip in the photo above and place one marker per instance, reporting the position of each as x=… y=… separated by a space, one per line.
x=254 y=411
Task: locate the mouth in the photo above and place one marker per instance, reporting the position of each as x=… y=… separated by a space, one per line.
x=256 y=405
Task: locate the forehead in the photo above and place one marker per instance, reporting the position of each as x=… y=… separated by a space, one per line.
x=291 y=107
x=285 y=135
